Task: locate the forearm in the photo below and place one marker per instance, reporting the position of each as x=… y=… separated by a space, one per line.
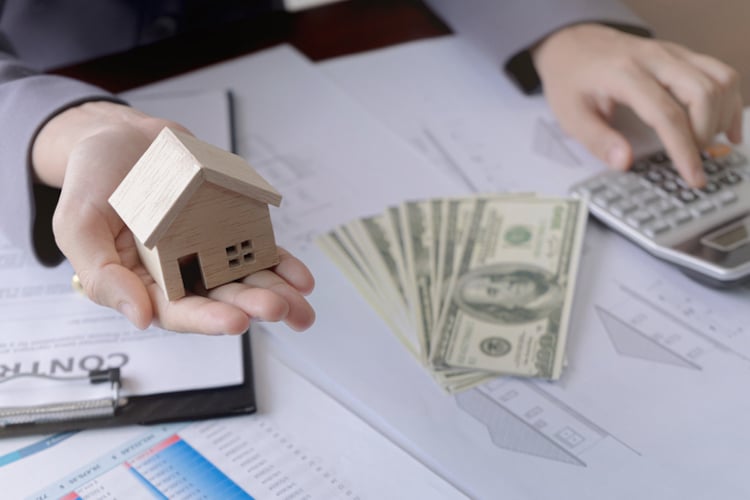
x=27 y=102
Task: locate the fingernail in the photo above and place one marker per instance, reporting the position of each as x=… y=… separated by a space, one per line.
x=127 y=310
x=617 y=157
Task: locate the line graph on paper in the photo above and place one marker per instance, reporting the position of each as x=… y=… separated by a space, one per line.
x=549 y=141
x=663 y=324
x=658 y=323
x=295 y=176
x=520 y=416
x=491 y=152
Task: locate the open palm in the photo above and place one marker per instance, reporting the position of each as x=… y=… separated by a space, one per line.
x=102 y=250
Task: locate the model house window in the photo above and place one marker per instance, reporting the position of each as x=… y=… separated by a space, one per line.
x=240 y=254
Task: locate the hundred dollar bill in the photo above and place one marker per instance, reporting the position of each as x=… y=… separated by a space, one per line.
x=455 y=212
x=375 y=238
x=454 y=224
x=340 y=251
x=417 y=230
x=377 y=243
x=508 y=307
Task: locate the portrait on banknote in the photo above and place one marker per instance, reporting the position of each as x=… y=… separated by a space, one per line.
x=509 y=293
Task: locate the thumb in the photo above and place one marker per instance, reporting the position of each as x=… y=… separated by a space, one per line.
x=585 y=124
x=87 y=240
x=115 y=286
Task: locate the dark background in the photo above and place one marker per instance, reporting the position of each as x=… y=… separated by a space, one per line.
x=319 y=33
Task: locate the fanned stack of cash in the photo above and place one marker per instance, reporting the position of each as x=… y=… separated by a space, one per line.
x=473 y=287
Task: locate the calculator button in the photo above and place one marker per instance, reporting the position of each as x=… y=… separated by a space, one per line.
x=663 y=206
x=730 y=178
x=646 y=198
x=639 y=218
x=660 y=157
x=669 y=170
x=592 y=188
x=731 y=159
x=687 y=196
x=711 y=187
x=640 y=166
x=606 y=197
x=626 y=179
x=681 y=217
x=670 y=186
x=726 y=197
x=627 y=184
x=711 y=168
x=655 y=176
x=655 y=228
x=704 y=207
x=718 y=150
x=634 y=189
x=622 y=208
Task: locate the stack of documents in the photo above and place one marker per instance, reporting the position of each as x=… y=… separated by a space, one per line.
x=473 y=287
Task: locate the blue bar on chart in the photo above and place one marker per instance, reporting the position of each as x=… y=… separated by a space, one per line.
x=169 y=469
x=173 y=465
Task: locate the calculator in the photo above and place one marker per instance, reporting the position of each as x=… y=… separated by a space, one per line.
x=705 y=231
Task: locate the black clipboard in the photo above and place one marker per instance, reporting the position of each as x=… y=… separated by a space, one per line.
x=145 y=410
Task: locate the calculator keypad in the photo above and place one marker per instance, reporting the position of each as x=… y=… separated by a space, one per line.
x=653 y=199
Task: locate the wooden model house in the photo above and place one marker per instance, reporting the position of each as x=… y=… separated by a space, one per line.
x=189 y=203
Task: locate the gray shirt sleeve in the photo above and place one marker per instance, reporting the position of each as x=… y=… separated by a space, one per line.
x=507 y=29
x=27 y=101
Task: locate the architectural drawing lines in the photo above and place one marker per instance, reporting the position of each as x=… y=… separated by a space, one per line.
x=510 y=432
x=521 y=416
x=449 y=160
x=548 y=141
x=557 y=402
x=680 y=321
x=630 y=341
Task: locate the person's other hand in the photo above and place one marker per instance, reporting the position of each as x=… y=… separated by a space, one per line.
x=87 y=150
x=686 y=97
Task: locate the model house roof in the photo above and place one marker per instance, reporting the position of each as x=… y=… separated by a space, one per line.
x=171 y=170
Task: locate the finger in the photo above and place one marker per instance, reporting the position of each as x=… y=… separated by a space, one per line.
x=658 y=109
x=698 y=93
x=731 y=120
x=734 y=132
x=300 y=315
x=586 y=123
x=90 y=246
x=295 y=272
x=197 y=314
x=728 y=81
x=257 y=303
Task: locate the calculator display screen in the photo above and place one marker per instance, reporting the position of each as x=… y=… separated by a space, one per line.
x=732 y=237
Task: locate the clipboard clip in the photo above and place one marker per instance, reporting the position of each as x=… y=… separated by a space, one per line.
x=66 y=411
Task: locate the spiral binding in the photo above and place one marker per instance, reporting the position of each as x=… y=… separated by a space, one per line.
x=66 y=411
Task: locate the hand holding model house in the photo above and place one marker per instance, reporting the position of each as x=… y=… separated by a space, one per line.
x=200 y=219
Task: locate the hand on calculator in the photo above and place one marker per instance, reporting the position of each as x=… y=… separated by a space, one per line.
x=686 y=97
x=705 y=231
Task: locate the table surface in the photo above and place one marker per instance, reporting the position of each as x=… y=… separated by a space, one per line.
x=322 y=32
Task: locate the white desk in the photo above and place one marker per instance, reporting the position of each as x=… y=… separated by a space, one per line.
x=648 y=401
x=651 y=404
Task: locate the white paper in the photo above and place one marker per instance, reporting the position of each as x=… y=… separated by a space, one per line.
x=626 y=418
x=300 y=441
x=205 y=111
x=651 y=402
